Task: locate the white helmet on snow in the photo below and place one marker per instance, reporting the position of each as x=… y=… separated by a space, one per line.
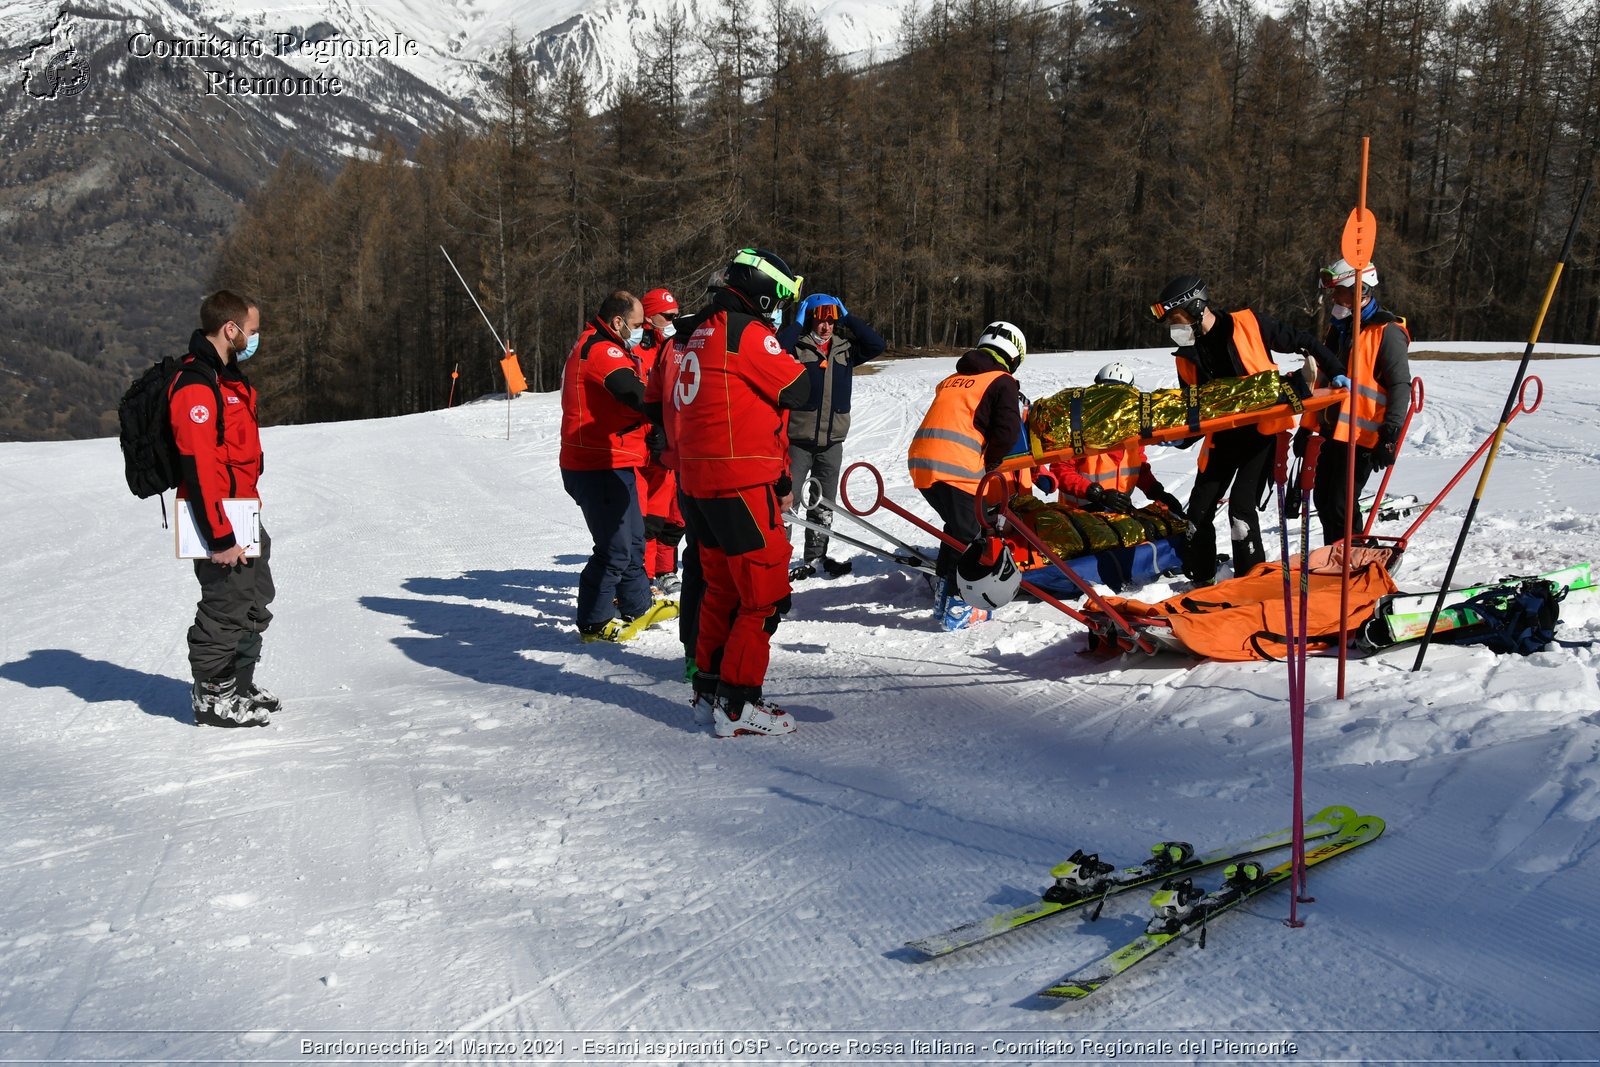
x=1005 y=340
x=987 y=575
x=1341 y=275
x=1118 y=373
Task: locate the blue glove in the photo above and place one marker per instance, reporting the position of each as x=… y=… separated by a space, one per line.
x=807 y=304
x=1045 y=483
x=1341 y=382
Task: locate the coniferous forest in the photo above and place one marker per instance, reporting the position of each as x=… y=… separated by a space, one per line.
x=1050 y=165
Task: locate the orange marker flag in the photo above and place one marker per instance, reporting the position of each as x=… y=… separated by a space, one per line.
x=515 y=382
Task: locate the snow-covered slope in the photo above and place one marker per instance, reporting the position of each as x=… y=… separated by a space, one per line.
x=468 y=827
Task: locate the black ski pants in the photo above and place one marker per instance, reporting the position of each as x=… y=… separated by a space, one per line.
x=1328 y=490
x=1238 y=467
x=957 y=508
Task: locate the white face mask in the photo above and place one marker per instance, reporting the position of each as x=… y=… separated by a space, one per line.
x=1340 y=311
x=668 y=332
x=1182 y=336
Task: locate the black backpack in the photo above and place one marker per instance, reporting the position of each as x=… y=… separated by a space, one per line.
x=149 y=453
x=1517 y=618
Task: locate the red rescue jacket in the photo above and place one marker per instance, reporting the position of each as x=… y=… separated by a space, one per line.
x=211 y=473
x=730 y=432
x=598 y=432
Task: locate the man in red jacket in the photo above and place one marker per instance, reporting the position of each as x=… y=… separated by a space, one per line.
x=734 y=382
x=603 y=432
x=225 y=640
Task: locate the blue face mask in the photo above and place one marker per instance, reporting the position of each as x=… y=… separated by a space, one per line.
x=635 y=337
x=249 y=348
x=777 y=318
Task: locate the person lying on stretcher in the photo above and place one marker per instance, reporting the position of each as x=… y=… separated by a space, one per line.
x=1105 y=481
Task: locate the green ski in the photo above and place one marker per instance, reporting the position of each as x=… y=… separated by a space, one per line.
x=1181 y=908
x=1084 y=879
x=1401 y=617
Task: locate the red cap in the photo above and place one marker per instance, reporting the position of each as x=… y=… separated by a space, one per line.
x=659 y=302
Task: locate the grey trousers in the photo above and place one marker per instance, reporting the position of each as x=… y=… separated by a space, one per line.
x=225 y=640
x=824 y=466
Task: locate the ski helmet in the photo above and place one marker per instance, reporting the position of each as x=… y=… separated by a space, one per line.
x=1186 y=293
x=987 y=575
x=1006 y=341
x=1117 y=373
x=763 y=279
x=1340 y=274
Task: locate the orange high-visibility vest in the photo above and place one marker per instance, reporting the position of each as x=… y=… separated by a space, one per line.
x=1255 y=358
x=1116 y=470
x=947 y=446
x=1367 y=403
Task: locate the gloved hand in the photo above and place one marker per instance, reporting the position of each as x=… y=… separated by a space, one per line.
x=1383 y=454
x=1119 y=502
x=1172 y=503
x=656 y=442
x=1341 y=381
x=1301 y=436
x=1045 y=483
x=806 y=305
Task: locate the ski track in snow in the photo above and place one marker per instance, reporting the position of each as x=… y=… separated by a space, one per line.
x=469 y=824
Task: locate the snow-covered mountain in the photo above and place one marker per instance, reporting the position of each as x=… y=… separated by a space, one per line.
x=441 y=44
x=130 y=130
x=469 y=831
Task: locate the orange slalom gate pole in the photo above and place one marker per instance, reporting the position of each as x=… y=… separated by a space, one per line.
x=1360 y=235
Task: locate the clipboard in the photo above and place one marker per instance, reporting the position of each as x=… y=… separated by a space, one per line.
x=244 y=515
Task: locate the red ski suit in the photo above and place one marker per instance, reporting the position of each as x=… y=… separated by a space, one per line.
x=733 y=381
x=658 y=482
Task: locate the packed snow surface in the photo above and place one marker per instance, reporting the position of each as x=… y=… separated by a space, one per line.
x=467 y=829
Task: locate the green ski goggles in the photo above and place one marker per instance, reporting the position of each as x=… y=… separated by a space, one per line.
x=788 y=288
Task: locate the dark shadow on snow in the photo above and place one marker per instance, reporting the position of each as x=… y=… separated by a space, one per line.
x=486 y=644
x=95 y=681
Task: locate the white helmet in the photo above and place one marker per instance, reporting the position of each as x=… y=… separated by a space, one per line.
x=1340 y=274
x=986 y=573
x=1118 y=373
x=1006 y=340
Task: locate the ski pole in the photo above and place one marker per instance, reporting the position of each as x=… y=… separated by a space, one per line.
x=1280 y=470
x=1297 y=724
x=1500 y=431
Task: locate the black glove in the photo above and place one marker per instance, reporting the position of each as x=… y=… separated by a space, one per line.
x=783 y=486
x=1295 y=383
x=1301 y=436
x=656 y=442
x=1104 y=499
x=1383 y=454
x=1172 y=503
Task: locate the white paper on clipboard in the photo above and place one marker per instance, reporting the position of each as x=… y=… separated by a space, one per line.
x=244 y=515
